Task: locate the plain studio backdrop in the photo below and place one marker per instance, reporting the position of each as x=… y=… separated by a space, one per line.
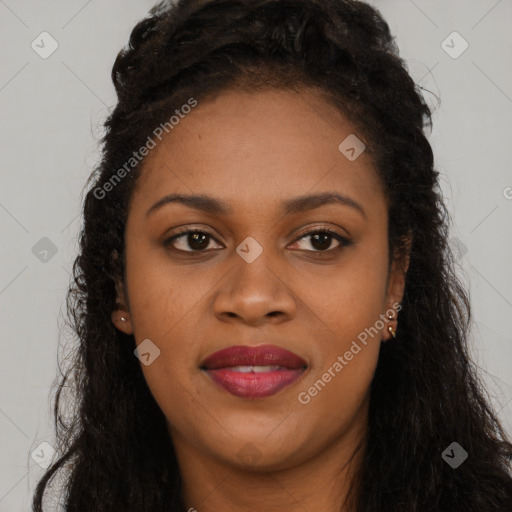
x=54 y=96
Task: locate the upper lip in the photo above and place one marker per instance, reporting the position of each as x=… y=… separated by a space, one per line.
x=261 y=355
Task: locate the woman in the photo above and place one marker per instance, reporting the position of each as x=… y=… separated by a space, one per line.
x=264 y=297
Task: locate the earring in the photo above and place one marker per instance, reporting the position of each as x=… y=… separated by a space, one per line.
x=123 y=319
x=390 y=328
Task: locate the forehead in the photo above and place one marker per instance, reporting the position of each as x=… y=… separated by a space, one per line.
x=257 y=147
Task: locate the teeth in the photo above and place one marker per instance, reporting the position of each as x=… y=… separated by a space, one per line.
x=254 y=369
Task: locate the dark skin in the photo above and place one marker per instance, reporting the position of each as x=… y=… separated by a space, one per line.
x=254 y=152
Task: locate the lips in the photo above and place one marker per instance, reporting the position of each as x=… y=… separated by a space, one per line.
x=262 y=355
x=254 y=372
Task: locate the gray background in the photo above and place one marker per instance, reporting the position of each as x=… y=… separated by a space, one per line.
x=52 y=110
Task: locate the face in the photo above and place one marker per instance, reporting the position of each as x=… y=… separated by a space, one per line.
x=290 y=249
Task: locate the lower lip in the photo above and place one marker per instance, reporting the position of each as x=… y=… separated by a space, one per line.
x=254 y=385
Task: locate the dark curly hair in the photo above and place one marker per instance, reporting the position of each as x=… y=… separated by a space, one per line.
x=114 y=448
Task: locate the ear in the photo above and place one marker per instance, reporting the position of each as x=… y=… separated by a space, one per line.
x=121 y=314
x=396 y=286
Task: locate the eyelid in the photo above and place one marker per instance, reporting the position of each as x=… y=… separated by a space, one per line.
x=322 y=229
x=187 y=229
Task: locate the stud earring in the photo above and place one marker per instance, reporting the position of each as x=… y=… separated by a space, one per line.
x=123 y=319
x=390 y=328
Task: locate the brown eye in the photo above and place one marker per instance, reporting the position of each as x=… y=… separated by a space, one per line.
x=321 y=240
x=190 y=241
x=198 y=241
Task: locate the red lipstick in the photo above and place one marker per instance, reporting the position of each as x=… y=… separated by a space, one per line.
x=254 y=372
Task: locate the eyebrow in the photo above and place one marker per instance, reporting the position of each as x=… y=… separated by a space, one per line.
x=295 y=205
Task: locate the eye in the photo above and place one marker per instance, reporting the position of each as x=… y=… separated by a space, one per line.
x=192 y=240
x=196 y=240
x=321 y=240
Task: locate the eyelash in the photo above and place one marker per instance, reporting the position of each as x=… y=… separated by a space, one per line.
x=343 y=242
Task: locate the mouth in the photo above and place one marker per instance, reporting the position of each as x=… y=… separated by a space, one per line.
x=254 y=372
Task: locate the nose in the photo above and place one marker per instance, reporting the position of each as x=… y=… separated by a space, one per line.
x=255 y=293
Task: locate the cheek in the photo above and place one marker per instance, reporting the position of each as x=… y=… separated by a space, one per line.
x=348 y=314
x=162 y=297
x=345 y=360
x=347 y=299
x=161 y=306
